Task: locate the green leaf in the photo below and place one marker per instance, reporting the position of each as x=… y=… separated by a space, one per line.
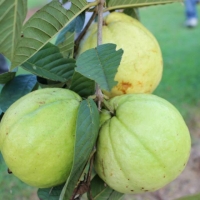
x=6 y=77
x=45 y=83
x=13 y=13
x=50 y=193
x=133 y=12
x=100 y=191
x=15 y=89
x=82 y=85
x=100 y=64
x=1 y=115
x=43 y=26
x=65 y=40
x=192 y=197
x=118 y=4
x=87 y=127
x=49 y=63
x=67 y=46
x=75 y=26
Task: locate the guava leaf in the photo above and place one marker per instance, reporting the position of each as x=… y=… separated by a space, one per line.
x=46 y=83
x=16 y=88
x=82 y=85
x=118 y=4
x=100 y=191
x=87 y=127
x=67 y=46
x=75 y=26
x=192 y=197
x=1 y=114
x=133 y=12
x=43 y=26
x=13 y=13
x=49 y=63
x=50 y=193
x=5 y=76
x=100 y=64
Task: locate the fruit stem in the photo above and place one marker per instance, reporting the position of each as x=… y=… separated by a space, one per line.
x=99 y=93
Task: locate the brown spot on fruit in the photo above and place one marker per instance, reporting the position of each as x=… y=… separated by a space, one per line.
x=103 y=167
x=7 y=133
x=42 y=102
x=124 y=86
x=111 y=174
x=132 y=190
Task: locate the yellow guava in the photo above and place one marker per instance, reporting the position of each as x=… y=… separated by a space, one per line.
x=37 y=136
x=143 y=145
x=141 y=67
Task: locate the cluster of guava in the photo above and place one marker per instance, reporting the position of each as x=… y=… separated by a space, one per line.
x=143 y=141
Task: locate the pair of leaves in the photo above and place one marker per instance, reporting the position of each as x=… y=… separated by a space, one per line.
x=95 y=65
x=49 y=63
x=43 y=26
x=87 y=127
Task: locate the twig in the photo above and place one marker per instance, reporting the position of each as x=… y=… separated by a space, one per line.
x=99 y=42
x=89 y=177
x=79 y=38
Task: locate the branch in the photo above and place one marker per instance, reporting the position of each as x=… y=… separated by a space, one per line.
x=79 y=38
x=99 y=42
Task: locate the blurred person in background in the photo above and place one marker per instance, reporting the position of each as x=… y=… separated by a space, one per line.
x=191 y=13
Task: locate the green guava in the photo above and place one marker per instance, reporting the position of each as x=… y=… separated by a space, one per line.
x=143 y=145
x=37 y=136
x=140 y=70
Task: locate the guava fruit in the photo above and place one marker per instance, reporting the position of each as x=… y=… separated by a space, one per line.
x=37 y=136
x=141 y=67
x=143 y=145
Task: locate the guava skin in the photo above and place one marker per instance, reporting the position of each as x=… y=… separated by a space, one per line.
x=141 y=67
x=144 y=146
x=37 y=136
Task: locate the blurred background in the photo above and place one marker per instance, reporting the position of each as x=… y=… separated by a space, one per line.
x=180 y=85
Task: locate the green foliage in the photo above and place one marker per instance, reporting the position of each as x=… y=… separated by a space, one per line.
x=28 y=46
x=50 y=193
x=49 y=63
x=87 y=127
x=6 y=77
x=82 y=85
x=13 y=13
x=118 y=4
x=43 y=26
x=100 y=64
x=99 y=190
x=16 y=88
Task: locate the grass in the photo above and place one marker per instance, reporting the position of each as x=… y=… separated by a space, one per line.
x=180 y=83
x=180 y=49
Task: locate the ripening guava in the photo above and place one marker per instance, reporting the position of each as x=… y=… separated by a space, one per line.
x=143 y=145
x=37 y=136
x=141 y=67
